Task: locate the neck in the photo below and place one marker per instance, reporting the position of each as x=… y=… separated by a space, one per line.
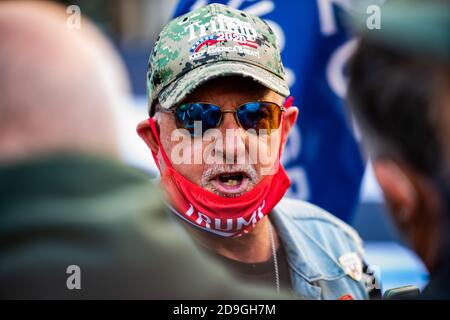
x=439 y=249
x=252 y=247
x=432 y=243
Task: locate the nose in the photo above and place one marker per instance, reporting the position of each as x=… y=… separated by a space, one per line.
x=229 y=120
x=233 y=148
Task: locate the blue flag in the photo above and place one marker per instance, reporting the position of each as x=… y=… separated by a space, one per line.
x=321 y=157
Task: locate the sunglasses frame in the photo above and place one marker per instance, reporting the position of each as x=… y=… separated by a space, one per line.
x=282 y=109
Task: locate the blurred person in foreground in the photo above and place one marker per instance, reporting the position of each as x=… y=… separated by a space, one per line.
x=65 y=199
x=399 y=95
x=217 y=92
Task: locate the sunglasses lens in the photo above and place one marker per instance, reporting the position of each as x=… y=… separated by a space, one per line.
x=187 y=114
x=259 y=116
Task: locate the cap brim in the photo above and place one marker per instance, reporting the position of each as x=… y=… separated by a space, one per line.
x=175 y=92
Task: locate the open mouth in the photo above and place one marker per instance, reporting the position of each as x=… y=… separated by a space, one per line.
x=231 y=183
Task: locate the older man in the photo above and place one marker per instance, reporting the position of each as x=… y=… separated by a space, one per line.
x=218 y=123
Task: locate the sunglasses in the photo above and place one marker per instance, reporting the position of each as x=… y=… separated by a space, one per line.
x=257 y=115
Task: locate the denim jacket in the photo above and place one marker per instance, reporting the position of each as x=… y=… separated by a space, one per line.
x=315 y=241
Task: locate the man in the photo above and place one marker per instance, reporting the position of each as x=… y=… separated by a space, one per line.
x=217 y=93
x=75 y=223
x=399 y=96
x=321 y=154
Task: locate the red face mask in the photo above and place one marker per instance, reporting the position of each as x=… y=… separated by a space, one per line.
x=223 y=216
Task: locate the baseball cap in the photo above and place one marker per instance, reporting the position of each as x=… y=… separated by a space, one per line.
x=210 y=42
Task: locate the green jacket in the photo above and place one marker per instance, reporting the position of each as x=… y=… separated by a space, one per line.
x=105 y=218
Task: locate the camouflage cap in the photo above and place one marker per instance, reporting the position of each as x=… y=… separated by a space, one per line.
x=207 y=43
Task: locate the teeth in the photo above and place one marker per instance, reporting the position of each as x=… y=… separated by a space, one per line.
x=231 y=182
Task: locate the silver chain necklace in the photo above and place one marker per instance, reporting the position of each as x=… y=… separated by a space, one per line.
x=275 y=259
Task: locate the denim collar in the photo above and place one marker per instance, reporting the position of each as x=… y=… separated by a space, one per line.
x=306 y=256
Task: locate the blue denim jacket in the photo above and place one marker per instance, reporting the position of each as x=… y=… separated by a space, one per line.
x=314 y=241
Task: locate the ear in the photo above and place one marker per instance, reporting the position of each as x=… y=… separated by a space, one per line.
x=145 y=132
x=289 y=121
x=399 y=189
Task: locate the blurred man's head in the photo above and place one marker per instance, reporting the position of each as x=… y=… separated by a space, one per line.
x=58 y=86
x=401 y=103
